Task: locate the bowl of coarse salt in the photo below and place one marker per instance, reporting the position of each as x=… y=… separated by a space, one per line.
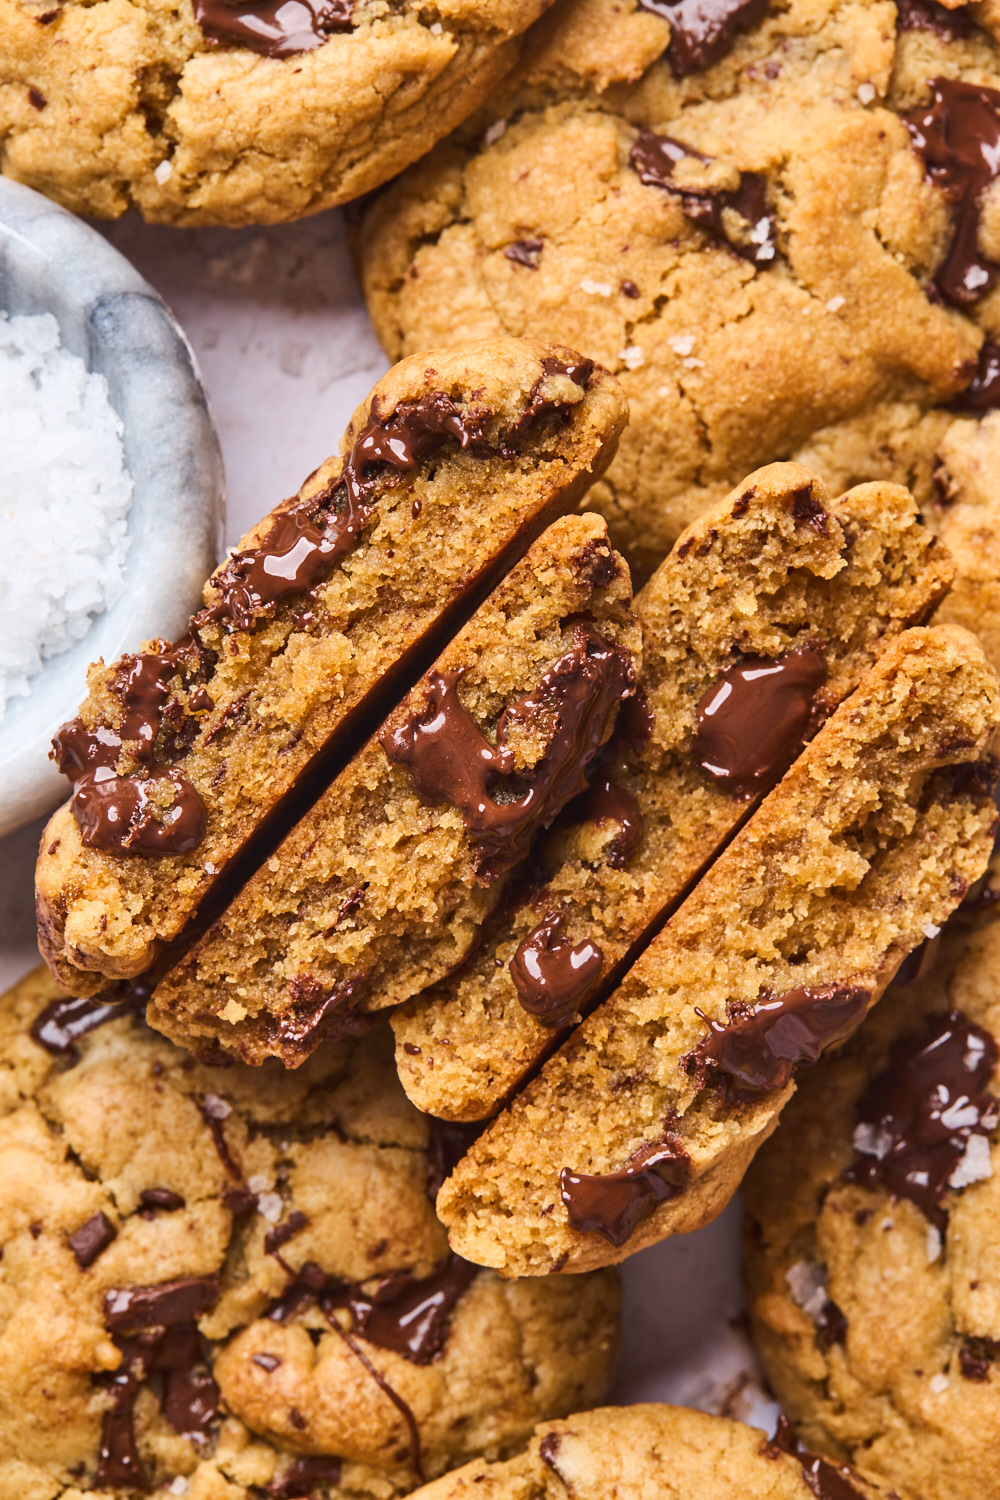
x=111 y=482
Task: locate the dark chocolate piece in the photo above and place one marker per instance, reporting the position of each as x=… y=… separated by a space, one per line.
x=282 y=1233
x=447 y=1143
x=539 y=405
x=703 y=32
x=760 y=1046
x=929 y=15
x=958 y=138
x=190 y=1402
x=525 y=253
x=162 y=1198
x=91 y=1239
x=918 y=1118
x=116 y=814
x=552 y=974
x=654 y=157
x=63 y=1022
x=36 y=98
x=268 y=1362
x=451 y=760
x=307 y=1285
x=752 y=724
x=320 y=1014
x=274 y=28
x=549 y=1447
x=133 y=1309
x=118 y=1460
x=983 y=392
x=614 y=1204
x=826 y=1480
x=412 y=1317
x=831 y=1325
x=301 y=1475
x=606 y=802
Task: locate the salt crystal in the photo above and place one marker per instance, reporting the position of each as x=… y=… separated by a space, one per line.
x=164 y=172
x=632 y=356
x=216 y=1108
x=938 y=1383
x=596 y=288
x=934 y=1243
x=929 y=930
x=494 y=133
x=681 y=343
x=866 y=92
x=835 y=304
x=270 y=1205
x=975 y=1166
x=807 y=1284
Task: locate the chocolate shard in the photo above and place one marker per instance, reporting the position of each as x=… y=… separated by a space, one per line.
x=132 y=1309
x=739 y=217
x=958 y=139
x=88 y=1242
x=119 y=1464
x=274 y=28
x=551 y=974
x=190 y=1402
x=411 y=1317
x=752 y=724
x=447 y=1143
x=525 y=253
x=614 y=1204
x=703 y=32
x=923 y=1126
x=758 y=1049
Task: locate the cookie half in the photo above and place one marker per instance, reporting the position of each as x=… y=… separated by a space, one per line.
x=235 y=1276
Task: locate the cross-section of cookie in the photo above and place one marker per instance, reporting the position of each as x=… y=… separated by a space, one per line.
x=774 y=232
x=764 y=617
x=235 y=1278
x=632 y=1452
x=382 y=888
x=642 y=1125
x=871 y=1236
x=239 y=111
x=187 y=757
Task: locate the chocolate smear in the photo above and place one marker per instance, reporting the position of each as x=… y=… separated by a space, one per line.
x=982 y=394
x=752 y=724
x=958 y=139
x=703 y=32
x=91 y=1239
x=929 y=15
x=116 y=814
x=214 y=1111
x=133 y=1309
x=275 y=1238
x=412 y=1317
x=721 y=212
x=447 y=1143
x=318 y=1013
x=301 y=1475
x=387 y=1390
x=636 y=720
x=614 y=1204
x=606 y=802
x=525 y=253
x=274 y=28
x=926 y=1120
x=63 y=1022
x=552 y=974
x=758 y=1049
x=450 y=759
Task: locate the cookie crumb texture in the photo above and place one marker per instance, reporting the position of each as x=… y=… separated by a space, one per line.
x=634 y=1452
x=130 y=104
x=754 y=247
x=879 y=829
x=207 y=1276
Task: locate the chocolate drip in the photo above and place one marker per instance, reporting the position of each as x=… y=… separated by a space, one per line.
x=301 y=1475
x=63 y=1022
x=752 y=724
x=91 y=1239
x=928 y=15
x=551 y=974
x=826 y=1480
x=759 y=1048
x=525 y=253
x=607 y=802
x=275 y=1238
x=919 y=1117
x=983 y=392
x=274 y=28
x=319 y=1014
x=412 y=1317
x=958 y=139
x=614 y=1204
x=214 y=1111
x=387 y=1390
x=654 y=157
x=133 y=1309
x=450 y=759
x=703 y=32
x=448 y=1141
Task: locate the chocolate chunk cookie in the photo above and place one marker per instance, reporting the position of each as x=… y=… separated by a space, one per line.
x=763 y=617
x=871 y=1241
x=190 y=760
x=645 y=1120
x=238 y=111
x=763 y=232
x=235 y=1276
x=383 y=886
x=668 y=1451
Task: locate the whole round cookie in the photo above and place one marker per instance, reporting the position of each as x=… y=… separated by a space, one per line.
x=872 y=1241
x=238 y=111
x=670 y=1452
x=222 y=1281
x=766 y=216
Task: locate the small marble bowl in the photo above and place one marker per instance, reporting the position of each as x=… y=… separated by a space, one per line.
x=112 y=319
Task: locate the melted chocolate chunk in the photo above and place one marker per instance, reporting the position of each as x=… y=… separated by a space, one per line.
x=983 y=392
x=928 y=15
x=162 y=1198
x=63 y=1022
x=301 y=1475
x=412 y=1317
x=918 y=963
x=921 y=1116
x=826 y=1480
x=654 y=157
x=451 y=760
x=703 y=32
x=614 y=1204
x=606 y=802
x=307 y=1285
x=447 y=1143
x=318 y=1014
x=118 y=1460
x=539 y=405
x=958 y=139
x=116 y=814
x=190 y=1402
x=551 y=975
x=752 y=724
x=91 y=1239
x=758 y=1049
x=274 y=28
x=189 y=1397
x=136 y=1308
x=525 y=253
x=282 y=1233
